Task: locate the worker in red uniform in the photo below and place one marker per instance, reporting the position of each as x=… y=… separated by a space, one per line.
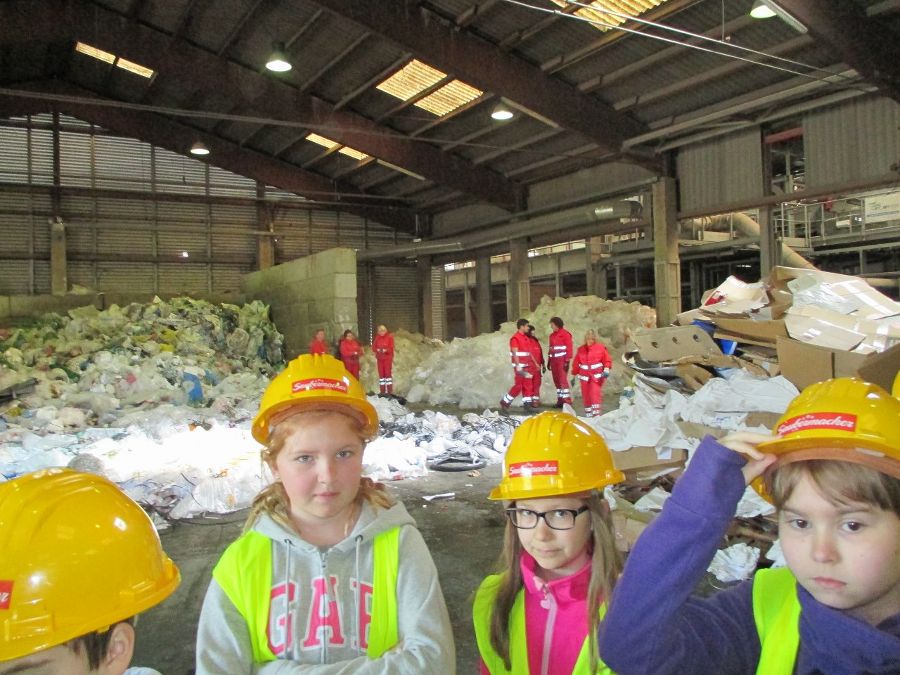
x=383 y=346
x=318 y=344
x=535 y=366
x=560 y=355
x=519 y=355
x=350 y=350
x=591 y=365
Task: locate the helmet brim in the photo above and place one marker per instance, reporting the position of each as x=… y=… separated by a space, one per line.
x=363 y=411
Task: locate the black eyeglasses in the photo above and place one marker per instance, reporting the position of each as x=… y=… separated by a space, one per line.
x=557 y=519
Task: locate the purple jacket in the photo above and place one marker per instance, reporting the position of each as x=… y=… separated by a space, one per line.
x=654 y=626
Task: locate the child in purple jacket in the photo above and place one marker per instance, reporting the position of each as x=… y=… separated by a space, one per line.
x=834 y=475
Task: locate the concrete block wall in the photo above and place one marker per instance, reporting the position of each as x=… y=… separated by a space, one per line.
x=318 y=291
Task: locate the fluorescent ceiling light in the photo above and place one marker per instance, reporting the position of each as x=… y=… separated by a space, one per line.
x=277 y=61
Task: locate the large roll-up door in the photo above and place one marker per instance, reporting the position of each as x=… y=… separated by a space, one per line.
x=388 y=294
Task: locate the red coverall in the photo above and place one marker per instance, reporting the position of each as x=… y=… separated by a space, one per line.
x=519 y=354
x=383 y=346
x=350 y=351
x=318 y=347
x=535 y=363
x=561 y=352
x=591 y=365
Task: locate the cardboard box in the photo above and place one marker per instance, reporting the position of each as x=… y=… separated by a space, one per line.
x=764 y=332
x=627 y=527
x=804 y=364
x=644 y=457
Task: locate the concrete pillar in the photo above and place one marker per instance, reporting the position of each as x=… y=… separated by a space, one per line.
x=467 y=304
x=595 y=270
x=483 y=298
x=59 y=276
x=666 y=262
x=518 y=291
x=769 y=245
x=265 y=244
x=423 y=265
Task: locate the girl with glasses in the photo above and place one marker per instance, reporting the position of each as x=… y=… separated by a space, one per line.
x=541 y=612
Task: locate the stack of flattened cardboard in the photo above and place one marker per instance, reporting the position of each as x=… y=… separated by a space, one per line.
x=807 y=325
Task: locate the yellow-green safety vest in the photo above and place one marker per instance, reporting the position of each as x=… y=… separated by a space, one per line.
x=245 y=574
x=482 y=609
x=776 y=611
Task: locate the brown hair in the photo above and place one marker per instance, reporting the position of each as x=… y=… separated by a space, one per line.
x=839 y=482
x=95 y=645
x=606 y=565
x=273 y=499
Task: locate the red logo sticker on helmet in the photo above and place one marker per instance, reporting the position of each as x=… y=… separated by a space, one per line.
x=319 y=384
x=827 y=421
x=531 y=469
x=5 y=593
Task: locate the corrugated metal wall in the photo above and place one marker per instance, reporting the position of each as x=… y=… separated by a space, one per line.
x=722 y=171
x=167 y=205
x=387 y=294
x=438 y=304
x=853 y=141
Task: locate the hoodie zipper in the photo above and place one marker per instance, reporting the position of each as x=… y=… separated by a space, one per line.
x=548 y=602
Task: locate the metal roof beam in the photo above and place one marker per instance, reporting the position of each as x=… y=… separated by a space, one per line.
x=227 y=155
x=865 y=44
x=46 y=20
x=483 y=65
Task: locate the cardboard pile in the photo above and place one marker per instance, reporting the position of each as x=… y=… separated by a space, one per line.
x=806 y=325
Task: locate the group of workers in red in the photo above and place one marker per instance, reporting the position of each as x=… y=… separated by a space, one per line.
x=349 y=351
x=591 y=365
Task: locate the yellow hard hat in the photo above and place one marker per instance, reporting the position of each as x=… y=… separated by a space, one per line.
x=555 y=453
x=844 y=419
x=78 y=555
x=313 y=382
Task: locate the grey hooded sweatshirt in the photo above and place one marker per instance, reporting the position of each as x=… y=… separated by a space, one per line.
x=316 y=615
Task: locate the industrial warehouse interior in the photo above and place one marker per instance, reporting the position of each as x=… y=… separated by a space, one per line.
x=192 y=191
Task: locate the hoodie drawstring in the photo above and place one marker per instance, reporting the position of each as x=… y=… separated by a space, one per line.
x=356 y=595
x=289 y=545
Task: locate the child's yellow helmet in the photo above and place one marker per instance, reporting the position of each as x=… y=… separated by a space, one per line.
x=76 y=555
x=314 y=382
x=555 y=453
x=843 y=419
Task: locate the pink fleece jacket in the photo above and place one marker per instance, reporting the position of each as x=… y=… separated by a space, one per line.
x=556 y=624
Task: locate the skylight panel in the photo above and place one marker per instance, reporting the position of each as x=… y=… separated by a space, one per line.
x=415 y=77
x=328 y=143
x=604 y=20
x=117 y=61
x=98 y=54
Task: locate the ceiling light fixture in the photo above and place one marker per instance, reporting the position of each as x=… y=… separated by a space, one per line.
x=761 y=10
x=199 y=148
x=277 y=61
x=765 y=9
x=501 y=113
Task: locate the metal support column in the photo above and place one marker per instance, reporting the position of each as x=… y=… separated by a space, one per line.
x=666 y=262
x=59 y=276
x=518 y=291
x=769 y=245
x=483 y=297
x=265 y=246
x=423 y=265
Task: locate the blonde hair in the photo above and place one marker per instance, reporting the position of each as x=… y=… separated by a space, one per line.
x=606 y=565
x=273 y=499
x=839 y=482
x=590 y=334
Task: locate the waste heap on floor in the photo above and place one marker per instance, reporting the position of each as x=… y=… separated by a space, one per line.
x=475 y=372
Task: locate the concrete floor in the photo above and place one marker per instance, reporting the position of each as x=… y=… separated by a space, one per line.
x=464 y=535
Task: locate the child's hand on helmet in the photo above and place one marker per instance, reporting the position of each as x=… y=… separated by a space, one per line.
x=744 y=443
